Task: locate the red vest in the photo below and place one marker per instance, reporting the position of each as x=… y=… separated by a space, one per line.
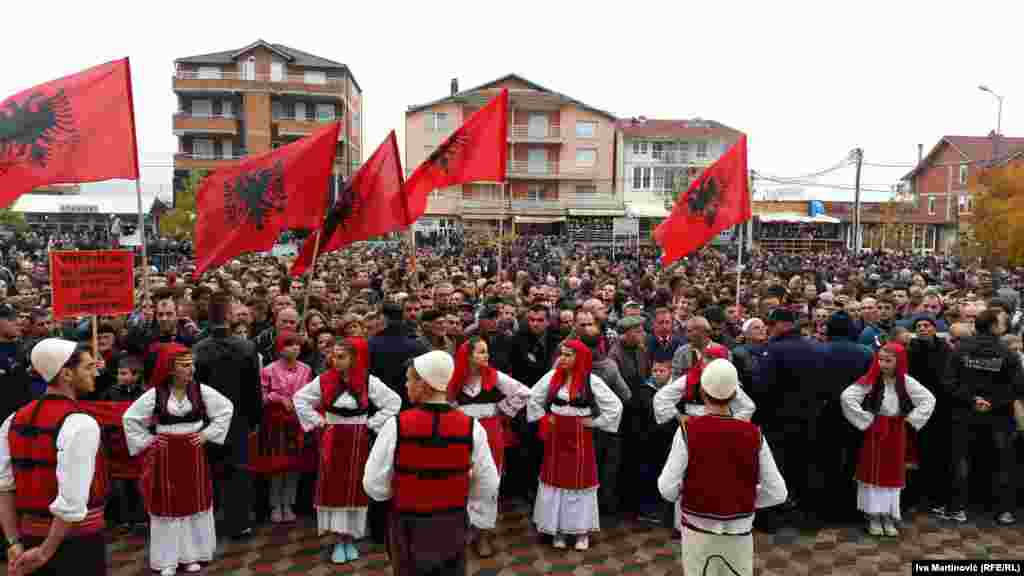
x=433 y=457
x=721 y=478
x=33 y=445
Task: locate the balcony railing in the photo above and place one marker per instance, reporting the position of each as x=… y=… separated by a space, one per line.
x=595 y=200
x=204 y=115
x=242 y=77
x=306 y=118
x=236 y=155
x=535 y=204
x=527 y=132
x=525 y=168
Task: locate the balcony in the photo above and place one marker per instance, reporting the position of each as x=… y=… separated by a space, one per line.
x=189 y=81
x=575 y=200
x=542 y=170
x=190 y=161
x=534 y=205
x=302 y=126
x=190 y=123
x=537 y=134
x=442 y=203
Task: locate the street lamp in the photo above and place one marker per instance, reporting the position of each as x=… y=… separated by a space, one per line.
x=999 y=118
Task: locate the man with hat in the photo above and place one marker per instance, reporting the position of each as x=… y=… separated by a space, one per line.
x=790 y=398
x=433 y=325
x=427 y=461
x=53 y=478
x=723 y=470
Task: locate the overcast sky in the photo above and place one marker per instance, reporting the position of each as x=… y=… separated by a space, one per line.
x=806 y=84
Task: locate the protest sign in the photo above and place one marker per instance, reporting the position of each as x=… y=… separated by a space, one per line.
x=92 y=283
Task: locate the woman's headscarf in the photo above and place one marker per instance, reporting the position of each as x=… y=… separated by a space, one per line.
x=463 y=361
x=285 y=339
x=357 y=378
x=166 y=356
x=580 y=376
x=874 y=376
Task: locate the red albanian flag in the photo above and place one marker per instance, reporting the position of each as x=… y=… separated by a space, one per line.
x=245 y=208
x=79 y=128
x=718 y=199
x=371 y=204
x=476 y=152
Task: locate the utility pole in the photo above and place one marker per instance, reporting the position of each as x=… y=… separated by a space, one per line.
x=858 y=155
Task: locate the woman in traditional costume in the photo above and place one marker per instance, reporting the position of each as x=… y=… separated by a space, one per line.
x=176 y=480
x=571 y=402
x=339 y=402
x=882 y=403
x=492 y=397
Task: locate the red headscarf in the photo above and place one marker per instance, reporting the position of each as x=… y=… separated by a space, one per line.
x=357 y=379
x=166 y=355
x=284 y=339
x=580 y=371
x=874 y=376
x=463 y=360
x=712 y=352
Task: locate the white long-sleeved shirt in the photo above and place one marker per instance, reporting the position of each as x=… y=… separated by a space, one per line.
x=771 y=488
x=380 y=466
x=516 y=394
x=77 y=443
x=307 y=403
x=608 y=404
x=920 y=397
x=668 y=396
x=139 y=417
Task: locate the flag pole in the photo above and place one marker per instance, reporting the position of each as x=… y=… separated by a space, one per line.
x=739 y=262
x=414 y=276
x=309 y=280
x=95 y=338
x=138 y=181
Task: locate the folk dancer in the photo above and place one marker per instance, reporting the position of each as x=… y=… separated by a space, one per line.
x=282 y=451
x=881 y=404
x=720 y=469
x=176 y=482
x=338 y=402
x=491 y=397
x=570 y=402
x=53 y=479
x=427 y=462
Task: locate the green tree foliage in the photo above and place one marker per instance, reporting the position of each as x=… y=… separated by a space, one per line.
x=13 y=220
x=179 y=221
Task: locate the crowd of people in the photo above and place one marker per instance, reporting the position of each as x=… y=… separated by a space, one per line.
x=386 y=389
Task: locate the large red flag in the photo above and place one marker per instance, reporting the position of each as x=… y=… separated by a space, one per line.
x=476 y=152
x=245 y=208
x=371 y=204
x=718 y=199
x=78 y=128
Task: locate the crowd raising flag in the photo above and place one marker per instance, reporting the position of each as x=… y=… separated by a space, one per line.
x=717 y=200
x=370 y=204
x=245 y=208
x=78 y=128
x=476 y=152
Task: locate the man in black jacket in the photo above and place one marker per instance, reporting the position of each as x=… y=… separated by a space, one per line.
x=927 y=360
x=15 y=382
x=391 y=350
x=984 y=378
x=231 y=366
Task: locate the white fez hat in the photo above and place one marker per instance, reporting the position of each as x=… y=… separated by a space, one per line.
x=435 y=368
x=719 y=379
x=50 y=355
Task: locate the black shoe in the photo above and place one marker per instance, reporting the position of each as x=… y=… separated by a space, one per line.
x=243 y=535
x=1006 y=519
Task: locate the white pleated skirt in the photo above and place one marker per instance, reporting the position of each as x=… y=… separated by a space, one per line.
x=873 y=499
x=559 y=511
x=347 y=521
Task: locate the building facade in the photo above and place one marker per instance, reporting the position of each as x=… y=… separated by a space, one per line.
x=253 y=99
x=657 y=157
x=561 y=164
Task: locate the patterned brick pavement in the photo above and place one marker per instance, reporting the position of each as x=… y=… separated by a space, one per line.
x=627 y=549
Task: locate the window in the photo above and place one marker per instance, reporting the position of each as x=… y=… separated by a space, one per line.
x=276 y=109
x=586 y=156
x=277 y=71
x=702 y=149
x=643 y=148
x=437 y=121
x=202 y=149
x=641 y=178
x=586 y=129
x=638 y=174
x=209 y=73
x=300 y=110
x=660 y=180
x=931 y=205
x=325 y=112
x=684 y=151
x=657 y=150
x=249 y=68
x=535 y=192
x=202 y=108
x=586 y=190
x=647 y=178
x=228 y=149
x=227 y=109
x=315 y=77
x=963 y=174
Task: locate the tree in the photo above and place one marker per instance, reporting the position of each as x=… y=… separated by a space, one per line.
x=893 y=228
x=179 y=222
x=13 y=220
x=995 y=231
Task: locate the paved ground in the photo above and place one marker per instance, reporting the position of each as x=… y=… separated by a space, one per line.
x=628 y=549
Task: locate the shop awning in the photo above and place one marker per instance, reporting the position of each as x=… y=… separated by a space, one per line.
x=539 y=219
x=481 y=217
x=647 y=211
x=797 y=218
x=596 y=212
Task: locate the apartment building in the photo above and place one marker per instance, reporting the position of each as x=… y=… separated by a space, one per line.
x=561 y=168
x=657 y=157
x=252 y=99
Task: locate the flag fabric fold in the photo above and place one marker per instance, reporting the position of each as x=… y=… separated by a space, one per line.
x=716 y=200
x=245 y=208
x=75 y=129
x=369 y=205
x=476 y=152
